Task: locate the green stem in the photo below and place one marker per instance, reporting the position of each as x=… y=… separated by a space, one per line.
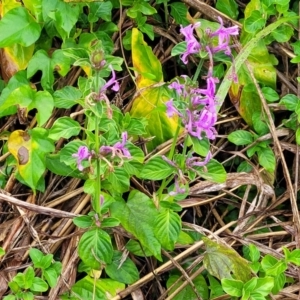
x=199 y=67
x=165 y=181
x=98 y=161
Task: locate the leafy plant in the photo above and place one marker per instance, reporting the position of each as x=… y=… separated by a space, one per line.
x=25 y=285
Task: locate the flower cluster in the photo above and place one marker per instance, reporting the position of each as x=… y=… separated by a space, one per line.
x=193 y=46
x=200 y=114
x=197 y=107
x=119 y=150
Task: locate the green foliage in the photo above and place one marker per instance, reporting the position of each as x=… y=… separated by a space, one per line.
x=25 y=285
x=223 y=262
x=48 y=42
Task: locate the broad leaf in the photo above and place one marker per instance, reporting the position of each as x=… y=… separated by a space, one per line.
x=95 y=248
x=18 y=27
x=167 y=228
x=150 y=104
x=241 y=137
x=100 y=289
x=156 y=169
x=136 y=216
x=145 y=63
x=213 y=171
x=66 y=97
x=29 y=149
x=64 y=127
x=224 y=262
x=188 y=293
x=122 y=271
x=42 y=62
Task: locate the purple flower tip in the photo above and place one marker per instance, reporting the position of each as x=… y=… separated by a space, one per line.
x=83 y=153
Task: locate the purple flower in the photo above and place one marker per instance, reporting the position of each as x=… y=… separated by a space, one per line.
x=223 y=35
x=112 y=82
x=202 y=121
x=171 y=110
x=118 y=149
x=196 y=161
x=178 y=189
x=83 y=153
x=193 y=46
x=209 y=93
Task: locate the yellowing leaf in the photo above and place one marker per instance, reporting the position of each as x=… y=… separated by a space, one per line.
x=29 y=149
x=14 y=58
x=7 y=5
x=150 y=104
x=224 y=262
x=145 y=63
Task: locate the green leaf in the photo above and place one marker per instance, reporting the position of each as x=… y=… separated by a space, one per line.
x=119 y=179
x=283 y=33
x=136 y=216
x=124 y=271
x=39 y=259
x=259 y=123
x=201 y=147
x=228 y=7
x=179 y=13
x=179 y=49
x=36 y=256
x=223 y=262
x=83 y=221
x=28 y=277
x=110 y=222
x=264 y=286
x=2 y=251
x=187 y=293
x=26 y=97
x=64 y=127
x=18 y=80
x=184 y=239
x=9 y=297
x=215 y=287
x=135 y=248
x=51 y=276
x=62 y=16
x=279 y=282
x=254 y=253
x=213 y=171
x=290 y=101
x=27 y=296
x=270 y=94
x=241 y=137
x=156 y=169
x=66 y=97
x=233 y=287
x=95 y=248
x=42 y=62
x=255 y=22
x=267 y=159
x=56 y=166
x=167 y=228
x=100 y=10
x=144 y=61
x=100 y=289
x=272 y=266
x=39 y=285
x=293 y=257
x=17 y=26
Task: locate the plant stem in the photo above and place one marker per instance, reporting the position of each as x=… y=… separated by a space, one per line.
x=199 y=67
